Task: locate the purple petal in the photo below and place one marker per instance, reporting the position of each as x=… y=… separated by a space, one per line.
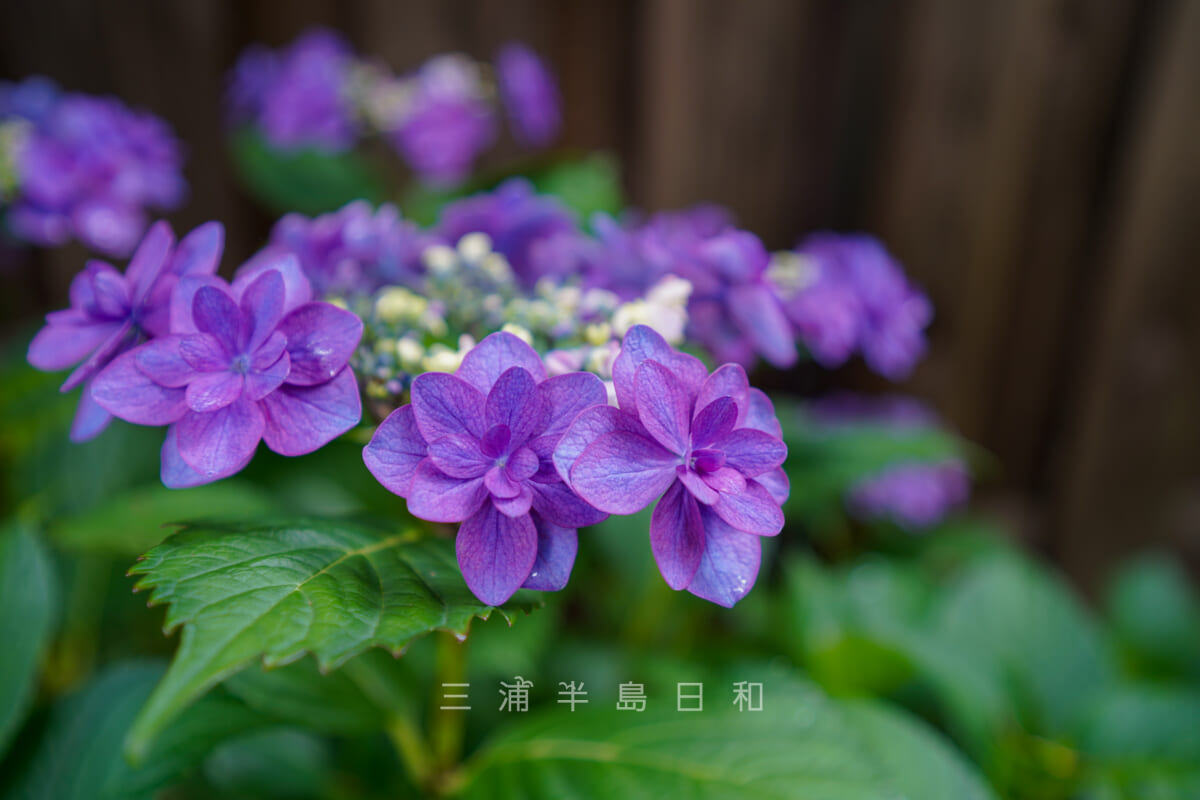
x=729 y=381
x=459 y=456
x=556 y=549
x=726 y=480
x=677 y=536
x=215 y=312
x=496 y=553
x=297 y=289
x=500 y=484
x=214 y=390
x=149 y=259
x=395 y=450
x=714 y=421
x=761 y=416
x=270 y=351
x=729 y=565
x=261 y=382
x=90 y=418
x=320 y=340
x=301 y=419
x=752 y=452
x=522 y=464
x=565 y=396
x=757 y=313
x=561 y=506
x=203 y=352
x=174 y=472
x=219 y=443
x=261 y=307
x=517 y=506
x=435 y=496
x=446 y=405
x=622 y=473
x=161 y=361
x=59 y=346
x=489 y=359
x=663 y=406
x=776 y=482
x=697 y=487
x=514 y=401
x=111 y=292
x=123 y=391
x=119 y=340
x=590 y=425
x=183 y=298
x=199 y=251
x=643 y=343
x=752 y=511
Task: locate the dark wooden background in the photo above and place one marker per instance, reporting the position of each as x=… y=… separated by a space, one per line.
x=1034 y=163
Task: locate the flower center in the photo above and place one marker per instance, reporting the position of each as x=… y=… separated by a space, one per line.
x=240 y=364
x=707 y=461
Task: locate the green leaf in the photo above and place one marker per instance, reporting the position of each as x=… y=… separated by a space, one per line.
x=801 y=745
x=277 y=591
x=1156 y=617
x=301 y=695
x=27 y=613
x=309 y=181
x=133 y=521
x=80 y=754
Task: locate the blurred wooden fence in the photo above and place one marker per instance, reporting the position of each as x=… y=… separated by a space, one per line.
x=1034 y=163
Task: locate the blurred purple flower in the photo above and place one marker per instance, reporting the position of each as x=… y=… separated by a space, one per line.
x=88 y=167
x=708 y=444
x=298 y=97
x=860 y=299
x=354 y=250
x=248 y=361
x=914 y=495
x=448 y=124
x=517 y=219
x=111 y=313
x=476 y=447
x=530 y=95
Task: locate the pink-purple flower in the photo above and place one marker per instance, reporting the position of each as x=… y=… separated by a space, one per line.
x=112 y=312
x=530 y=95
x=255 y=360
x=476 y=448
x=708 y=447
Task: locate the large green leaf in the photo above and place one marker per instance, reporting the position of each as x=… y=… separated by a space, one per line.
x=79 y=757
x=1156 y=617
x=801 y=745
x=27 y=611
x=277 y=591
x=309 y=181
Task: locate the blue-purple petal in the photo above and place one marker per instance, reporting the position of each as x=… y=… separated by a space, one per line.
x=301 y=419
x=514 y=401
x=320 y=340
x=561 y=506
x=587 y=427
x=496 y=553
x=566 y=396
x=395 y=450
x=677 y=536
x=556 y=549
x=729 y=566
x=498 y=352
x=122 y=390
x=622 y=472
x=664 y=406
x=446 y=405
x=752 y=511
x=90 y=418
x=435 y=496
x=219 y=443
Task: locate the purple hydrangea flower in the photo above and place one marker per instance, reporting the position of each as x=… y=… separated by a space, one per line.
x=914 y=495
x=448 y=124
x=354 y=250
x=860 y=299
x=707 y=446
x=476 y=447
x=255 y=360
x=517 y=219
x=530 y=95
x=112 y=312
x=298 y=98
x=89 y=167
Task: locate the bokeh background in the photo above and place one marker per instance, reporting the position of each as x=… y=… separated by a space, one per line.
x=1035 y=164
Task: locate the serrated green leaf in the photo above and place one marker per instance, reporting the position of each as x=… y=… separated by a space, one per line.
x=277 y=591
x=309 y=181
x=801 y=745
x=27 y=612
x=79 y=757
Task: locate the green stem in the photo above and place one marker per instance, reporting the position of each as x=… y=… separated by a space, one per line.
x=411 y=747
x=446 y=727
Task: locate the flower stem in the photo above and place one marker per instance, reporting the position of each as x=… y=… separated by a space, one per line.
x=446 y=727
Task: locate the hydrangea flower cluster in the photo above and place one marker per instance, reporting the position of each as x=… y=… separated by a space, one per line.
x=224 y=365
x=846 y=294
x=914 y=495
x=440 y=118
x=76 y=166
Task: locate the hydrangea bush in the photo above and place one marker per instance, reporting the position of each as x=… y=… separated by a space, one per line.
x=535 y=408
